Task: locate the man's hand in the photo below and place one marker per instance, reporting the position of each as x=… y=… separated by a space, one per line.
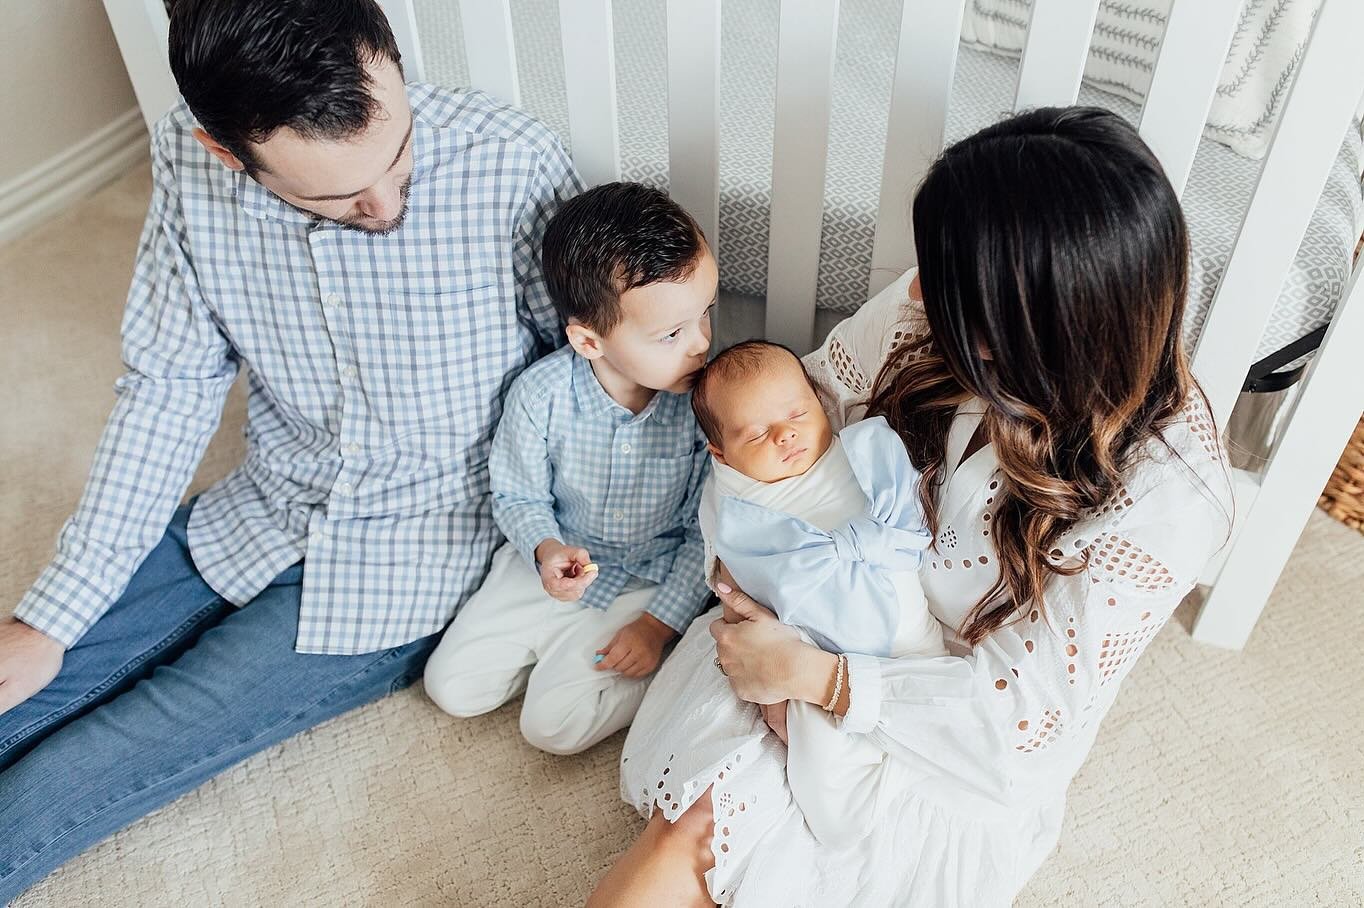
x=637 y=648
x=565 y=570
x=29 y=660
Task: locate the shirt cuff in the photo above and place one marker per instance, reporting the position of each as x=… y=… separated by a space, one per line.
x=677 y=610
x=864 y=694
x=529 y=530
x=63 y=603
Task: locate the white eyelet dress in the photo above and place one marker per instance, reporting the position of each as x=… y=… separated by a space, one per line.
x=980 y=745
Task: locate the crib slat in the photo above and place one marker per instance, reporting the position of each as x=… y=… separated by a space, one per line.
x=1322 y=418
x=925 y=64
x=805 y=66
x=402 y=19
x=1316 y=113
x=1191 y=53
x=490 y=48
x=590 y=80
x=694 y=111
x=1054 y=53
x=140 y=28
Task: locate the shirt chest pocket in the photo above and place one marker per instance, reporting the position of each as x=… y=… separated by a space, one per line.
x=663 y=488
x=423 y=357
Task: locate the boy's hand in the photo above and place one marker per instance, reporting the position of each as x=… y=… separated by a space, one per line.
x=637 y=648
x=565 y=570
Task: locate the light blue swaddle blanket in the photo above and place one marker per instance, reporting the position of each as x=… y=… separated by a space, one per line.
x=836 y=585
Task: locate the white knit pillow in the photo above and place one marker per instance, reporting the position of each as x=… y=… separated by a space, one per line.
x=1270 y=38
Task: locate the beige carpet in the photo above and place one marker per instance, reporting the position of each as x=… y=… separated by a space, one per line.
x=1220 y=778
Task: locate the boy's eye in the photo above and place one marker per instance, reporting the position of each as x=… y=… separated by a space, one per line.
x=669 y=338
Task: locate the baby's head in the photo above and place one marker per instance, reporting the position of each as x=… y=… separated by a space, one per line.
x=759 y=410
x=633 y=278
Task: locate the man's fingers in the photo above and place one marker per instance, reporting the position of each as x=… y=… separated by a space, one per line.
x=9 y=696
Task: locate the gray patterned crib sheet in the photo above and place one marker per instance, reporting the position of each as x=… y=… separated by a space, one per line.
x=1218 y=193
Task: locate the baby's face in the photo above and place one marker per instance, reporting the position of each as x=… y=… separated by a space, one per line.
x=773 y=426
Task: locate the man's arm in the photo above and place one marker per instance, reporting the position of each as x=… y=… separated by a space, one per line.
x=555 y=183
x=169 y=402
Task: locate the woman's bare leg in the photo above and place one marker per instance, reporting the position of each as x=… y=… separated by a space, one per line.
x=666 y=865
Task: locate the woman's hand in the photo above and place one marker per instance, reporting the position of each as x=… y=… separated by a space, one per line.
x=774 y=714
x=766 y=661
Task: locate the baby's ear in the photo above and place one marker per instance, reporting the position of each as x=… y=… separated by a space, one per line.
x=716 y=453
x=584 y=341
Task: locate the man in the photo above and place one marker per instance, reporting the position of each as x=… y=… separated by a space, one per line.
x=367 y=250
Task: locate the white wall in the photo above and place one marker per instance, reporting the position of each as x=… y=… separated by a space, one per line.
x=68 y=118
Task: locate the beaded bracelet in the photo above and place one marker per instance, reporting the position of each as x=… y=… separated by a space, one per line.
x=838 y=684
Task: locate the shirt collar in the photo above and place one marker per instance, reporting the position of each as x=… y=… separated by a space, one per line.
x=263 y=204
x=668 y=409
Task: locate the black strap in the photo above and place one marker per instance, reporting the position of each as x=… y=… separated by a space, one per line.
x=1264 y=376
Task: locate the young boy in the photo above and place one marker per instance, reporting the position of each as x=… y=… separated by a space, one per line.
x=596 y=472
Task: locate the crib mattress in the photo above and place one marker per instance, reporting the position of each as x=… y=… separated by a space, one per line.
x=1215 y=200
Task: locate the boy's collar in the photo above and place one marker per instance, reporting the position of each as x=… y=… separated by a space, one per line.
x=664 y=407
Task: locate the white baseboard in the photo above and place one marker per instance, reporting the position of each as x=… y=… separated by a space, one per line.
x=42 y=191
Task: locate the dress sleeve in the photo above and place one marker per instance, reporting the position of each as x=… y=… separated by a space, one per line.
x=845 y=365
x=1011 y=715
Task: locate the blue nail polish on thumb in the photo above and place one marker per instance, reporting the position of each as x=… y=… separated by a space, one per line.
x=599 y=657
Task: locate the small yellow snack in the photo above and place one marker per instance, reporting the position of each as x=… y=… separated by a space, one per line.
x=589 y=568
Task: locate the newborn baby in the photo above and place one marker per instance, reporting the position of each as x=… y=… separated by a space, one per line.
x=827 y=531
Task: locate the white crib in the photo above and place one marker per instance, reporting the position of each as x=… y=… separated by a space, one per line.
x=1274 y=504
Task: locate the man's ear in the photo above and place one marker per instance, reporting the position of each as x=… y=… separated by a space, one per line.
x=584 y=341
x=716 y=453
x=219 y=151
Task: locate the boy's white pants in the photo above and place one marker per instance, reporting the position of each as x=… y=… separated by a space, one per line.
x=512 y=636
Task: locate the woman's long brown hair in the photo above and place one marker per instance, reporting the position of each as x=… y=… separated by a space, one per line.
x=1053 y=259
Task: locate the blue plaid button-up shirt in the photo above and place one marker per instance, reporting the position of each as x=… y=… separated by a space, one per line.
x=570 y=463
x=377 y=366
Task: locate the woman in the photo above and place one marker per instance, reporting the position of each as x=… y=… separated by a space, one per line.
x=1075 y=487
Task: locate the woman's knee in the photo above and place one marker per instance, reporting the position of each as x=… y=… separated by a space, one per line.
x=690 y=833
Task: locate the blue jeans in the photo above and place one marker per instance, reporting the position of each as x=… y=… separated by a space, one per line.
x=172 y=686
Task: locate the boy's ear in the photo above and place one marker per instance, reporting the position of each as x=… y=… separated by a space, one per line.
x=716 y=453
x=584 y=341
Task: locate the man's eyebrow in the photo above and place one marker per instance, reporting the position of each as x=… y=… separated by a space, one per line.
x=350 y=195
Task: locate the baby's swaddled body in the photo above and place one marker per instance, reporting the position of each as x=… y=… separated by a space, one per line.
x=835 y=552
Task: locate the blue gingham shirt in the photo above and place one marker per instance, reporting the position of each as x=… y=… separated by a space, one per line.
x=570 y=463
x=376 y=364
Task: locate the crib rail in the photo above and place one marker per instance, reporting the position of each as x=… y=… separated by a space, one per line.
x=1316 y=111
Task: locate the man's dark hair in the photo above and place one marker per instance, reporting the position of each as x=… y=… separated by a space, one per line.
x=737 y=363
x=248 y=67
x=611 y=239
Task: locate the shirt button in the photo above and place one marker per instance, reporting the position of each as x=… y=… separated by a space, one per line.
x=619 y=515
x=352 y=448
x=316 y=535
x=625 y=448
x=349 y=372
x=333 y=299
x=345 y=488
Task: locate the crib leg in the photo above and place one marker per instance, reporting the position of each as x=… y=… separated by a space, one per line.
x=1321 y=422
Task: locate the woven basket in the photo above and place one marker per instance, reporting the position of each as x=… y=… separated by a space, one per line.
x=1343 y=497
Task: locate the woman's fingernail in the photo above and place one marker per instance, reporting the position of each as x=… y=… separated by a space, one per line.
x=723 y=588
